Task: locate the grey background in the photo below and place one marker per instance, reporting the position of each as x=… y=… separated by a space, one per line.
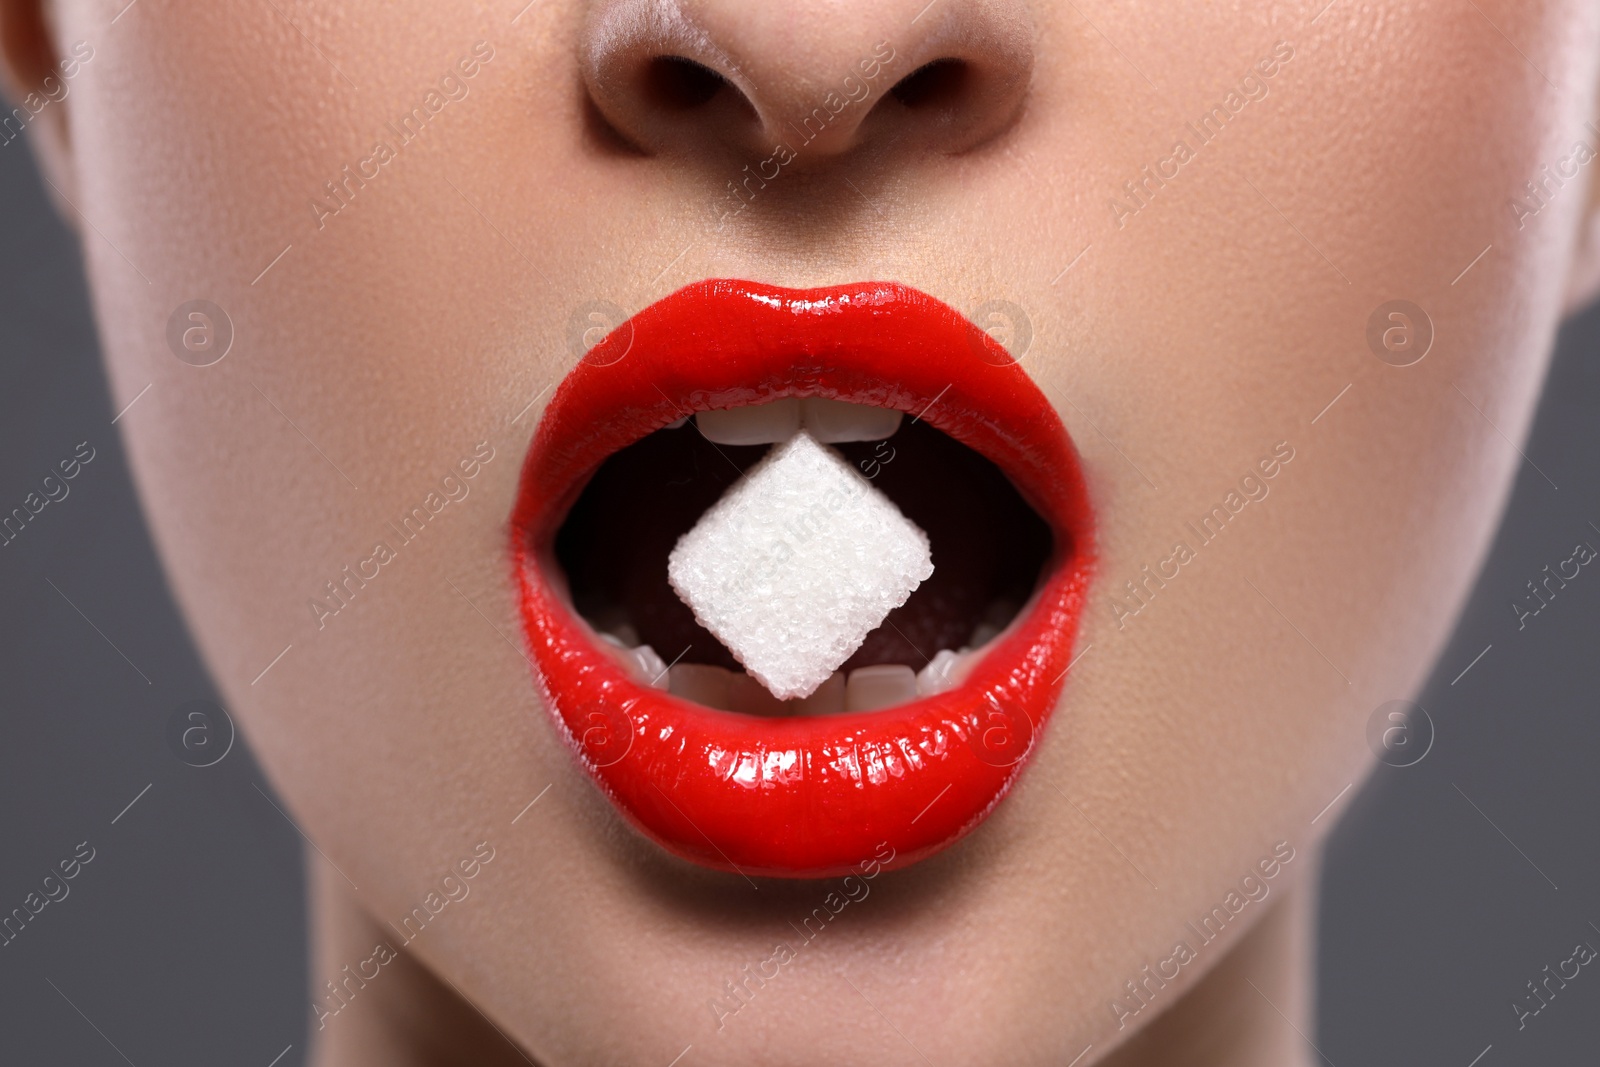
x=182 y=942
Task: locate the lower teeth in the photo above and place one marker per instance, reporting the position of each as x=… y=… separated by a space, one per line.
x=869 y=688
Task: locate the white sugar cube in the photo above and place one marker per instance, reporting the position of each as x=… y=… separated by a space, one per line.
x=797 y=563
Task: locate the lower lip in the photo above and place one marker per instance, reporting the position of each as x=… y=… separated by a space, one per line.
x=802 y=797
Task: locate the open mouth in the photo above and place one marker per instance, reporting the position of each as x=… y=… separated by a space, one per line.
x=714 y=688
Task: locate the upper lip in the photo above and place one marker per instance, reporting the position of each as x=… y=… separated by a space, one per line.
x=802 y=797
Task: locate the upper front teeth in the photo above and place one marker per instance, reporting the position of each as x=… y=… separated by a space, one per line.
x=758 y=424
x=829 y=421
x=881 y=686
x=834 y=421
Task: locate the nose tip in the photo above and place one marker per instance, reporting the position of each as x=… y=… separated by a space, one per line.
x=697 y=77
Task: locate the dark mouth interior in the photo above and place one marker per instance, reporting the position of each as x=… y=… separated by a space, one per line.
x=989 y=546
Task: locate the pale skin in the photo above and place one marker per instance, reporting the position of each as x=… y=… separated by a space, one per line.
x=1195 y=331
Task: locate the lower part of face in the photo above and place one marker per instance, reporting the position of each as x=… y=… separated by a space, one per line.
x=1222 y=231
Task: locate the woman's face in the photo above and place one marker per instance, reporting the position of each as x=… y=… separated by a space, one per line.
x=1190 y=223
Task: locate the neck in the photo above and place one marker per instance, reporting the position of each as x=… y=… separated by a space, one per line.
x=404 y=1017
x=1253 y=1009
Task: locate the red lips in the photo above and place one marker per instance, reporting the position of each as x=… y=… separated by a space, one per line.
x=802 y=797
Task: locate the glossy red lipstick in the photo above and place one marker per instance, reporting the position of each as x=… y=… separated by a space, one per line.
x=802 y=797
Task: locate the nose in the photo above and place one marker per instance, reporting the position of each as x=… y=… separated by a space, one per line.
x=820 y=77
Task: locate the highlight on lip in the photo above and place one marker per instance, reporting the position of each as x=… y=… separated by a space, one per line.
x=921 y=731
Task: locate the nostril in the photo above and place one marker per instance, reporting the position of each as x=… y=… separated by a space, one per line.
x=680 y=84
x=938 y=84
x=720 y=80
